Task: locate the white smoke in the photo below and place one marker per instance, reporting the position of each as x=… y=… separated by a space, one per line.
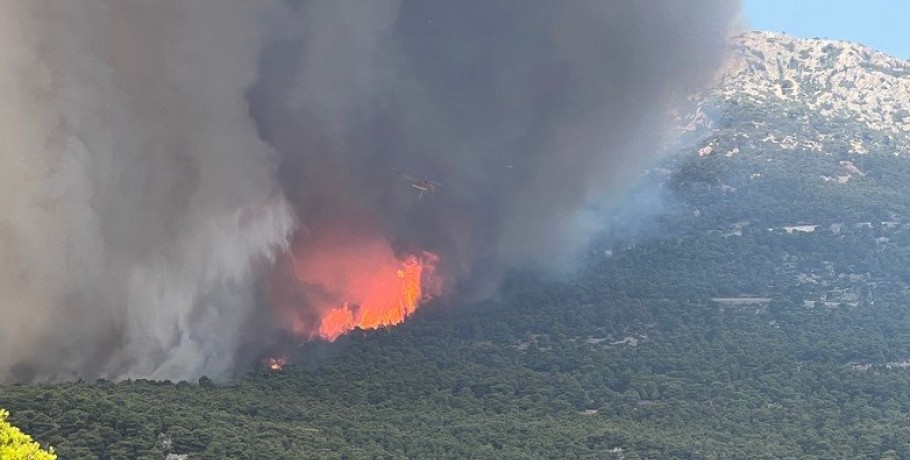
x=135 y=195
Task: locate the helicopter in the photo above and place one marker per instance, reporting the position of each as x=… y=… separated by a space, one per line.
x=424 y=185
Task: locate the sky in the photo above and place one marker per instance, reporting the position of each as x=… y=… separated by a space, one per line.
x=880 y=24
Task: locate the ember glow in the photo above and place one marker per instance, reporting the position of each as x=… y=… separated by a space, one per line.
x=350 y=281
x=275 y=363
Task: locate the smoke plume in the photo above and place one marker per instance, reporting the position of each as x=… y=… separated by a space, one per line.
x=136 y=195
x=158 y=156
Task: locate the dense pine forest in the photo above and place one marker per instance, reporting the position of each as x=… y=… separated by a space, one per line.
x=749 y=300
x=754 y=343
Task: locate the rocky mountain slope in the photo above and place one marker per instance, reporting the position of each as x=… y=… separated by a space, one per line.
x=805 y=142
x=820 y=123
x=862 y=94
x=832 y=78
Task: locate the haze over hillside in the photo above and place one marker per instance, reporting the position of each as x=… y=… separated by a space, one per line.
x=190 y=185
x=764 y=315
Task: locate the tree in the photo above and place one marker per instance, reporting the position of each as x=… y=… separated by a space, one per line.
x=16 y=445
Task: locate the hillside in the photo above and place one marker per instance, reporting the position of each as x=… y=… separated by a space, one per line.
x=763 y=314
x=829 y=79
x=817 y=122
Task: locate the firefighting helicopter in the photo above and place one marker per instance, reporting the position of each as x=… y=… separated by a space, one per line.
x=424 y=185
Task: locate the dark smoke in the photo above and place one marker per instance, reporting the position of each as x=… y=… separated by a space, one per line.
x=156 y=153
x=525 y=111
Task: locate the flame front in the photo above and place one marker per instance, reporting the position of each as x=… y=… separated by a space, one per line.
x=275 y=363
x=387 y=300
x=336 y=282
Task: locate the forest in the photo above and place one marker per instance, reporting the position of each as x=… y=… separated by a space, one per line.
x=720 y=332
x=628 y=358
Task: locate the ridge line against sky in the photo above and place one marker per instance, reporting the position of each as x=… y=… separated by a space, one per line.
x=879 y=24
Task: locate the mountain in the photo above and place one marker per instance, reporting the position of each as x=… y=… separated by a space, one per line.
x=831 y=79
x=825 y=79
x=759 y=312
x=819 y=122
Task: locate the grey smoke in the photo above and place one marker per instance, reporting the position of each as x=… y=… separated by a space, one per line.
x=525 y=111
x=137 y=196
x=158 y=155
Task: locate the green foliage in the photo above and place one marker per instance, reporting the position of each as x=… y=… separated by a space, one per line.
x=670 y=373
x=633 y=357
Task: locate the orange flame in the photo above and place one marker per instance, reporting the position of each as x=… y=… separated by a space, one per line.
x=276 y=363
x=351 y=281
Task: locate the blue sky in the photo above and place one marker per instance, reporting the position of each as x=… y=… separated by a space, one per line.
x=880 y=24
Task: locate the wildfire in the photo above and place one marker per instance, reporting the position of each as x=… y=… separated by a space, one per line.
x=387 y=297
x=276 y=363
x=342 y=281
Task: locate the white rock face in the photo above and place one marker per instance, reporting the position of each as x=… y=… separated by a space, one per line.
x=833 y=78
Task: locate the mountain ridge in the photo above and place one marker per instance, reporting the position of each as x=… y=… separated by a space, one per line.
x=835 y=78
x=854 y=98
